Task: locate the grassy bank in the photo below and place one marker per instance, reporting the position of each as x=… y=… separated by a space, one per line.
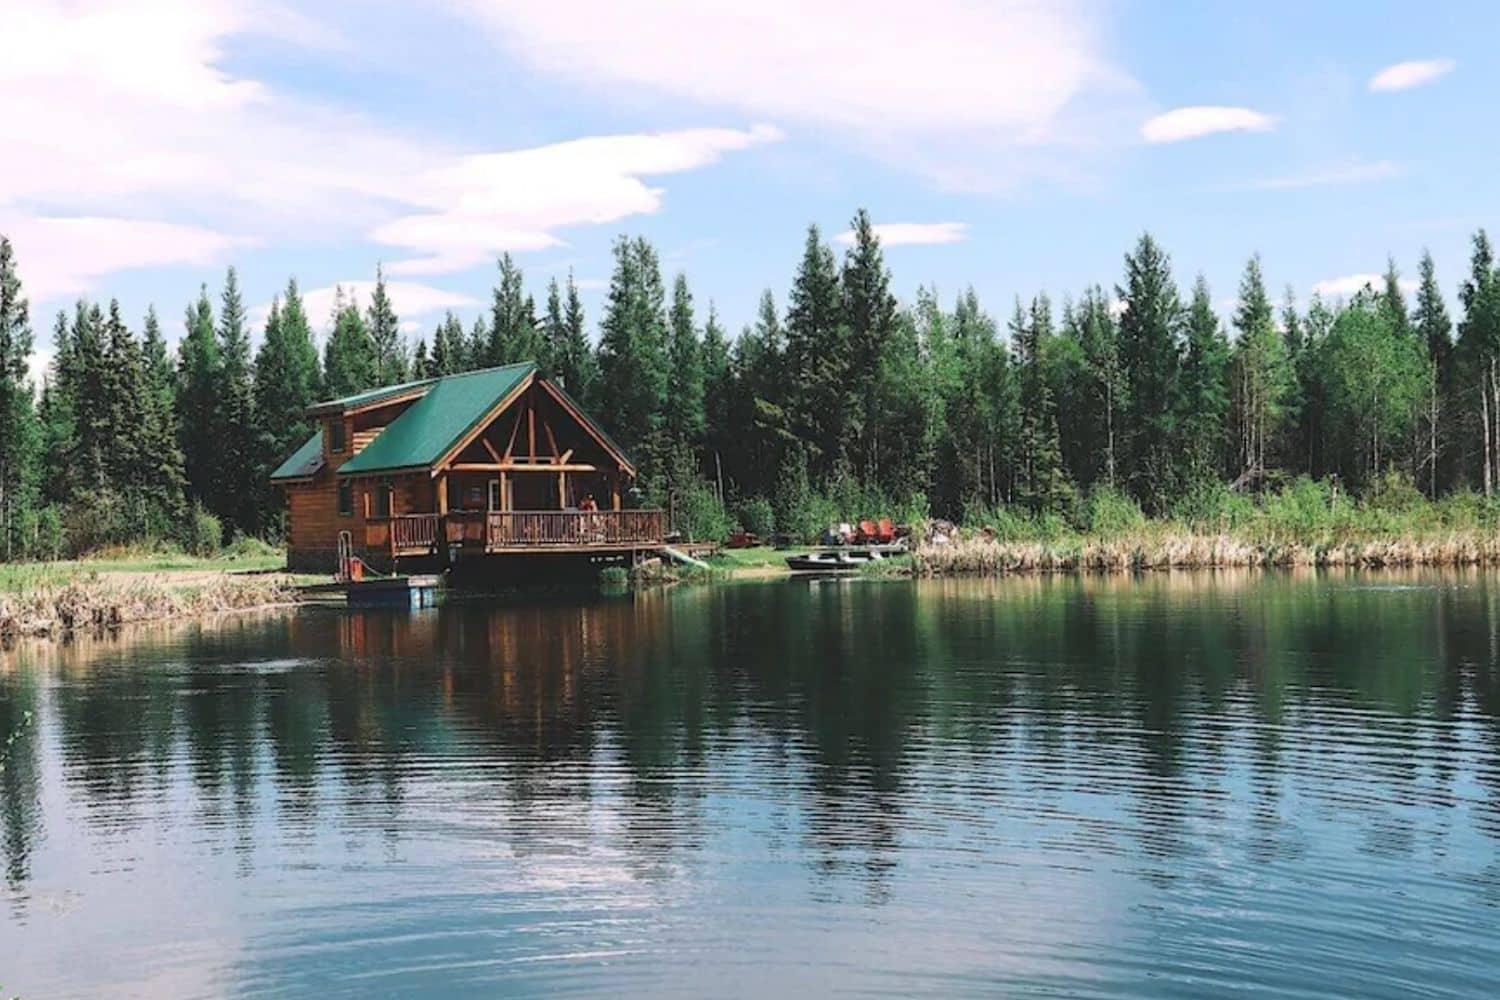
x=1306 y=524
x=117 y=588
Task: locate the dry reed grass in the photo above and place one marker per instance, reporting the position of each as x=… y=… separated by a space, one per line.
x=981 y=556
x=96 y=602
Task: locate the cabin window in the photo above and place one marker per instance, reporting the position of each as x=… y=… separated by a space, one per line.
x=382 y=500
x=336 y=442
x=494 y=491
x=346 y=499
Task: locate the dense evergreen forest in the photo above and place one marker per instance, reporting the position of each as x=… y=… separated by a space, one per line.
x=836 y=403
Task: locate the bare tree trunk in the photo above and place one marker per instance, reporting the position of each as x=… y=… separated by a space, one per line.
x=1484 y=403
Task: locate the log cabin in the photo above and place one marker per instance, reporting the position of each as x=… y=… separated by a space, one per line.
x=480 y=464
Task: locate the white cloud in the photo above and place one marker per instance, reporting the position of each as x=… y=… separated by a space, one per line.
x=1350 y=173
x=1195 y=122
x=517 y=200
x=973 y=92
x=409 y=299
x=1415 y=73
x=1350 y=284
x=896 y=234
x=60 y=257
x=128 y=110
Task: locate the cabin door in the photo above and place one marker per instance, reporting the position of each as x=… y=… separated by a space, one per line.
x=496 y=501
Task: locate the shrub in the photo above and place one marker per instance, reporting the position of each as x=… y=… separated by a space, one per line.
x=700 y=515
x=1110 y=512
x=758 y=516
x=1301 y=510
x=614 y=578
x=202 y=533
x=1213 y=507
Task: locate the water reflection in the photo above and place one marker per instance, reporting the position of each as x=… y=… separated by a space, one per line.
x=1218 y=762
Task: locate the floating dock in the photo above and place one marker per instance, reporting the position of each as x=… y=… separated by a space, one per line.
x=379 y=592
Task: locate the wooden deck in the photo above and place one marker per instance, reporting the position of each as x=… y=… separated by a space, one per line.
x=498 y=532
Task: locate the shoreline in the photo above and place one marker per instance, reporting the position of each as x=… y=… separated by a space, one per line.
x=98 y=603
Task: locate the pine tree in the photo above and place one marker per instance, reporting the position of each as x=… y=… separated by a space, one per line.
x=1202 y=397
x=1149 y=335
x=349 y=362
x=421 y=362
x=389 y=349
x=476 y=351
x=685 y=416
x=20 y=435
x=554 y=334
x=198 y=380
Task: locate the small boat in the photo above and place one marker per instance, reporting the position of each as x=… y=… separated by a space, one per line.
x=843 y=561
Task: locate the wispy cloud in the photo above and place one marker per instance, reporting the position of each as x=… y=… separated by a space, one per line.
x=194 y=158
x=65 y=256
x=1414 y=73
x=411 y=301
x=897 y=234
x=1350 y=284
x=996 y=85
x=1195 y=122
x=1336 y=176
x=518 y=200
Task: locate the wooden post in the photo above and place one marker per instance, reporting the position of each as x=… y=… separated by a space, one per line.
x=562 y=491
x=614 y=488
x=441 y=486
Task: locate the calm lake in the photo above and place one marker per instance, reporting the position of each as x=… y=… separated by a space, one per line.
x=1169 y=786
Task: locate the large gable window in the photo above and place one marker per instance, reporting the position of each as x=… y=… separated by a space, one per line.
x=346 y=499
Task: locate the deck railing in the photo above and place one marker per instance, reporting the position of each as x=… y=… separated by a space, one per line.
x=408 y=534
x=577 y=529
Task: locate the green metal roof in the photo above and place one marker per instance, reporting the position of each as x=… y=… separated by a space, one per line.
x=305 y=461
x=368 y=396
x=432 y=425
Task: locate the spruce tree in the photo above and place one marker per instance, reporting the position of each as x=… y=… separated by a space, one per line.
x=198 y=381
x=238 y=485
x=1435 y=330
x=1042 y=485
x=1262 y=378
x=685 y=416
x=448 y=346
x=1393 y=300
x=20 y=435
x=1149 y=339
x=162 y=474
x=1202 y=397
x=820 y=396
x=286 y=384
x=389 y=349
x=554 y=334
x=869 y=311
x=513 y=327
x=718 y=392
x=349 y=362
x=633 y=363
x=1478 y=351
x=577 y=366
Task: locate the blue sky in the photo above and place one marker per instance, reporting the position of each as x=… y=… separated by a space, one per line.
x=1014 y=146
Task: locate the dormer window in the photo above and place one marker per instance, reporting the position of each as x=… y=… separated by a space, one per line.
x=336 y=442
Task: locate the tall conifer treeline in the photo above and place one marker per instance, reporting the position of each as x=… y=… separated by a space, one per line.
x=843 y=398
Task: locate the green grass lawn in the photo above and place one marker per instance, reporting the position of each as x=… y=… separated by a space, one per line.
x=16 y=577
x=759 y=559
